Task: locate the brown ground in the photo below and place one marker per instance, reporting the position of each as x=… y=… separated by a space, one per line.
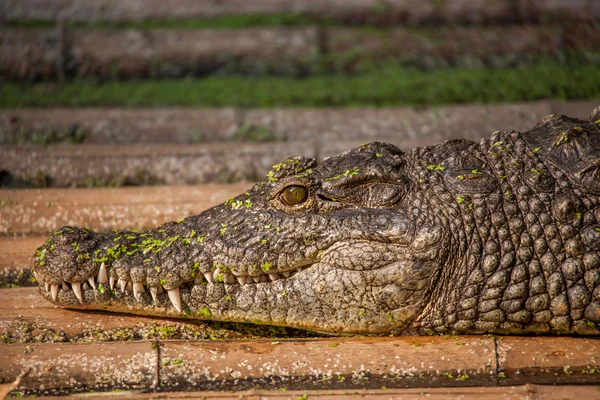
x=134 y=353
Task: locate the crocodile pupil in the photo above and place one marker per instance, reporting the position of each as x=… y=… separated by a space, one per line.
x=294 y=195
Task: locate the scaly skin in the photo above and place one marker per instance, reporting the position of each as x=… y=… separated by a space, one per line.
x=498 y=236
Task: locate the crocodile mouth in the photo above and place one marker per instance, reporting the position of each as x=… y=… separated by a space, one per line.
x=106 y=285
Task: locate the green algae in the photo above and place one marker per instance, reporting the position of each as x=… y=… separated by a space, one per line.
x=304 y=173
x=564 y=138
x=278 y=167
x=205 y=312
x=271 y=177
x=195 y=269
x=349 y=172
x=433 y=167
x=266 y=266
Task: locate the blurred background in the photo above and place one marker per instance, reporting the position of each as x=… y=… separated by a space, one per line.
x=151 y=92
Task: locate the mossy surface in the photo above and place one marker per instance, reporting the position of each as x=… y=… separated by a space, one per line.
x=16 y=277
x=389 y=86
x=222 y=21
x=28 y=330
x=71 y=135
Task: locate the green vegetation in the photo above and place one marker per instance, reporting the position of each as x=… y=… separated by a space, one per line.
x=255 y=133
x=223 y=21
x=390 y=86
x=74 y=134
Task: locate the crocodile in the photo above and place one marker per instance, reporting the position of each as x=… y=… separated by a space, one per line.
x=497 y=236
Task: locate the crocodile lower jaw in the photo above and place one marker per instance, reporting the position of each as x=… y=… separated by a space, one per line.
x=105 y=280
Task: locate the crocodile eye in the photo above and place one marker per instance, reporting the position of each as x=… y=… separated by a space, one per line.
x=294 y=195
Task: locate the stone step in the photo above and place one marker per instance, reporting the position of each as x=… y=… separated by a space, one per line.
x=135 y=53
x=109 y=53
x=202 y=125
x=312 y=133
x=528 y=391
x=347 y=11
x=152 y=164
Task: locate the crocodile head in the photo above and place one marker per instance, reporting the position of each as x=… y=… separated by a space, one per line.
x=342 y=247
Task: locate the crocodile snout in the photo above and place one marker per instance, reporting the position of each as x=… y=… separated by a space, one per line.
x=65 y=263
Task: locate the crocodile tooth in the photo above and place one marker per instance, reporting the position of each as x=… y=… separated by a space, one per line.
x=241 y=279
x=215 y=275
x=112 y=282
x=199 y=280
x=122 y=284
x=263 y=278
x=129 y=286
x=160 y=290
x=65 y=286
x=77 y=290
x=208 y=277
x=256 y=279
x=175 y=299
x=286 y=274
x=138 y=287
x=102 y=274
x=54 y=290
x=229 y=278
x=273 y=277
x=92 y=282
x=85 y=286
x=38 y=278
x=47 y=286
x=154 y=293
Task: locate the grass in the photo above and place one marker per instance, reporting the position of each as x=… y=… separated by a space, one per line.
x=74 y=134
x=223 y=21
x=390 y=86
